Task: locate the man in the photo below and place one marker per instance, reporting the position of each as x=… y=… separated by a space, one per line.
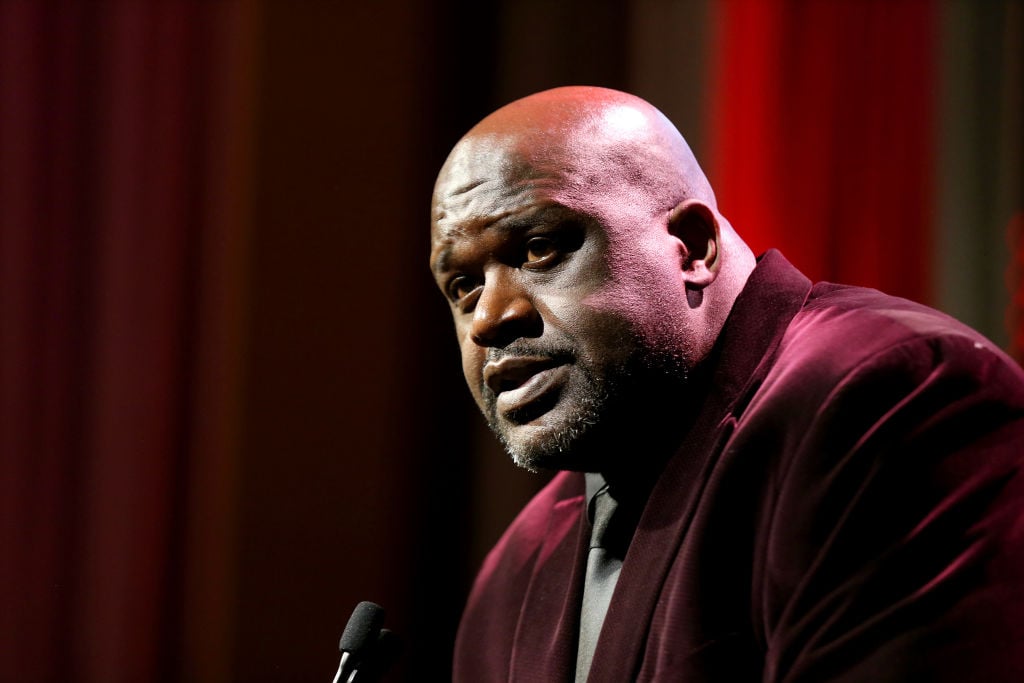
x=799 y=482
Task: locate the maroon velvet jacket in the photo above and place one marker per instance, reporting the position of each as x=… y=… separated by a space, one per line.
x=848 y=506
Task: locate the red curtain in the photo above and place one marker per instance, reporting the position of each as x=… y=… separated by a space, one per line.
x=145 y=247
x=821 y=135
x=120 y=191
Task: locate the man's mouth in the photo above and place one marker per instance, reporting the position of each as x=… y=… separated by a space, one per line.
x=524 y=387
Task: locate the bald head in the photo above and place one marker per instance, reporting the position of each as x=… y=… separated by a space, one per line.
x=588 y=270
x=595 y=135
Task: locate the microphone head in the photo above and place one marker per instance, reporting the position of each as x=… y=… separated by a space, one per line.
x=379 y=657
x=388 y=648
x=363 y=627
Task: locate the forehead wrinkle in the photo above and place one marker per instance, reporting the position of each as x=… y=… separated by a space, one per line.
x=480 y=203
x=448 y=230
x=467 y=187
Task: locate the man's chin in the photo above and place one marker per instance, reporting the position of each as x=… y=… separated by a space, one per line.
x=532 y=448
x=557 y=431
x=547 y=443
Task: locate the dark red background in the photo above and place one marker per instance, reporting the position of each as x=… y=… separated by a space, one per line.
x=230 y=401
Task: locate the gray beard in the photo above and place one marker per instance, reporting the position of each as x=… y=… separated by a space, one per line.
x=609 y=409
x=561 y=450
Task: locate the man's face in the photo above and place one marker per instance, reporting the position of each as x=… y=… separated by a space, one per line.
x=566 y=291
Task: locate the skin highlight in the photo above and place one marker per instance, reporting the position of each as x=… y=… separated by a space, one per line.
x=589 y=273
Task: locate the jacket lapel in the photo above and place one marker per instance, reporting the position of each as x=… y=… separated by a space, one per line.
x=545 y=642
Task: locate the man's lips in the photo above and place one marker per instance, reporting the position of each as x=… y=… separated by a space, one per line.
x=520 y=380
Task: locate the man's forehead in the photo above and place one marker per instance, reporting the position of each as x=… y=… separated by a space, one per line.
x=485 y=178
x=477 y=201
x=480 y=157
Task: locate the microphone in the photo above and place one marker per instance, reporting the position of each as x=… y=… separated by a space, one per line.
x=366 y=648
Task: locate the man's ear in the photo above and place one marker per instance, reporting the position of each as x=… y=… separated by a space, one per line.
x=695 y=224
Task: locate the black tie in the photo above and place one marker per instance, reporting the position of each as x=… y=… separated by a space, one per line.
x=603 y=565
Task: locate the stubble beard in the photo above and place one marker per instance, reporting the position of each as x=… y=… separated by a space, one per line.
x=560 y=447
x=605 y=407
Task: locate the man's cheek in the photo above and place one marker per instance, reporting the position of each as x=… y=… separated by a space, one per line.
x=472 y=368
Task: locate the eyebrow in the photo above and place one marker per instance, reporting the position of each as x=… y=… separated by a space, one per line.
x=440 y=262
x=549 y=212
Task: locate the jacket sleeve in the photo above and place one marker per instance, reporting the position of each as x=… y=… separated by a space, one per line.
x=895 y=546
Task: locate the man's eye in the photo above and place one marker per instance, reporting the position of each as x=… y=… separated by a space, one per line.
x=461 y=287
x=540 y=250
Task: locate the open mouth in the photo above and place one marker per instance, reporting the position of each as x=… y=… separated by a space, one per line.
x=525 y=387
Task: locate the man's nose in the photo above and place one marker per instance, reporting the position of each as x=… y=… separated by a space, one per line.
x=504 y=312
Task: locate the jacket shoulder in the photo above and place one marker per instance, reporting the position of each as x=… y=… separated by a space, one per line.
x=845 y=331
x=487 y=631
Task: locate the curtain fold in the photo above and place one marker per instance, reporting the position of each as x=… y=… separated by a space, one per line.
x=821 y=136
x=110 y=208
